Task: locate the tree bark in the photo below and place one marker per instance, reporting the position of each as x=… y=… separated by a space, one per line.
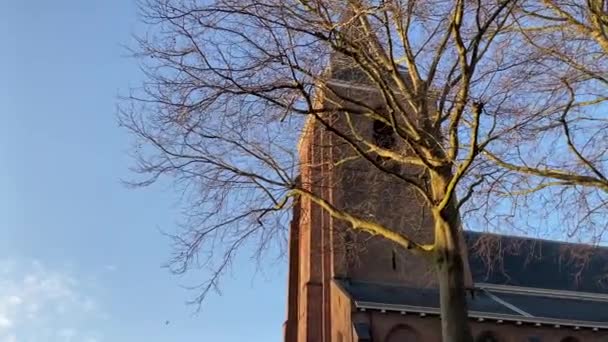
x=450 y=265
x=452 y=293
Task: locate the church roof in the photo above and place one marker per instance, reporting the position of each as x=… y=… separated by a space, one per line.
x=367 y=294
x=537 y=264
x=485 y=304
x=516 y=279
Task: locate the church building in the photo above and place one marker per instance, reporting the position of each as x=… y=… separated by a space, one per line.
x=345 y=286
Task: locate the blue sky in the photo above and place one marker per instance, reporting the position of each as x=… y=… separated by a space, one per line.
x=80 y=254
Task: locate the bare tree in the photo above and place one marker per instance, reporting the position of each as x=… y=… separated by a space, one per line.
x=468 y=88
x=555 y=164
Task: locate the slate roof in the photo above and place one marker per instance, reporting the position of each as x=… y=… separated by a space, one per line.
x=570 y=309
x=539 y=264
x=533 y=280
x=368 y=293
x=486 y=303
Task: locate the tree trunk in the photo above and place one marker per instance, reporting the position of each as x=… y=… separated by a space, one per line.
x=452 y=293
x=450 y=266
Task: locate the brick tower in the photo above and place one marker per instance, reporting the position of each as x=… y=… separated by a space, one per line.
x=322 y=249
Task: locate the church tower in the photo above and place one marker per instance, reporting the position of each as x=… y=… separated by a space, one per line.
x=323 y=249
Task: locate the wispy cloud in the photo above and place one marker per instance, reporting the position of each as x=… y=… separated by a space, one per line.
x=110 y=268
x=39 y=303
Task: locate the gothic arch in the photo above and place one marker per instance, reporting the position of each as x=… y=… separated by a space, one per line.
x=487 y=336
x=383 y=134
x=402 y=333
x=570 y=339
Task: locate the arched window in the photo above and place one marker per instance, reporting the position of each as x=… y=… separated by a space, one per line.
x=570 y=339
x=487 y=336
x=402 y=333
x=384 y=135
